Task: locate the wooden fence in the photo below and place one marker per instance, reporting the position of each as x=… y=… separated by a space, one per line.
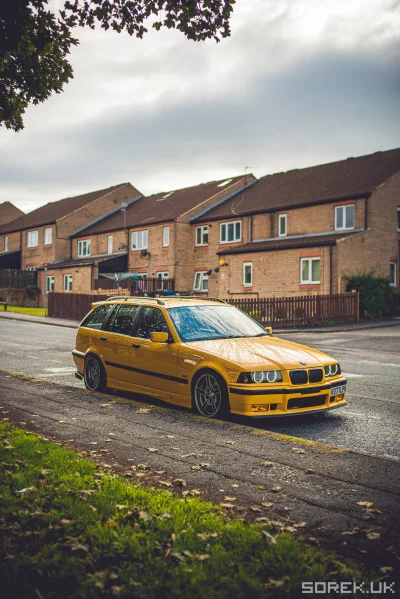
x=139 y=286
x=17 y=279
x=72 y=306
x=302 y=311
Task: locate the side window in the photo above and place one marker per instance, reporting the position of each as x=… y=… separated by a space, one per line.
x=97 y=317
x=151 y=320
x=121 y=322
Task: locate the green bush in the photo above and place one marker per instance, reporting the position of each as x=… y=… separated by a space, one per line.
x=376 y=295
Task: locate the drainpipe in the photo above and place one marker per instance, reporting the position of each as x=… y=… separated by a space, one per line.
x=330 y=269
x=366 y=213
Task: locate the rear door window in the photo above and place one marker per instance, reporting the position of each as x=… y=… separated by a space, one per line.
x=121 y=321
x=151 y=320
x=97 y=317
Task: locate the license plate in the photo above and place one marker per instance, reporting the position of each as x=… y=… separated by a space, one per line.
x=338 y=390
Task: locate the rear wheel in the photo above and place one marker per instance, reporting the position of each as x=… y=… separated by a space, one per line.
x=94 y=374
x=210 y=395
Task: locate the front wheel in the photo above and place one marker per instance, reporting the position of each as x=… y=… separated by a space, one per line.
x=210 y=395
x=94 y=374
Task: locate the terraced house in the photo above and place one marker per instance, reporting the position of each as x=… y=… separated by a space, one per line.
x=40 y=240
x=303 y=231
x=155 y=232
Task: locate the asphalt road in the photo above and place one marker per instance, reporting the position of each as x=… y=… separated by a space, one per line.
x=370 y=359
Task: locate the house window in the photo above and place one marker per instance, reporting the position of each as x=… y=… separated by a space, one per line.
x=30 y=267
x=49 y=283
x=247 y=274
x=344 y=217
x=393 y=274
x=282 y=225
x=202 y=235
x=67 y=282
x=162 y=275
x=6 y=243
x=48 y=236
x=110 y=244
x=310 y=269
x=139 y=240
x=32 y=239
x=230 y=232
x=398 y=219
x=165 y=237
x=200 y=281
x=84 y=248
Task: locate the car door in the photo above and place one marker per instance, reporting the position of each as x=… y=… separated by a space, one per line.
x=116 y=342
x=154 y=365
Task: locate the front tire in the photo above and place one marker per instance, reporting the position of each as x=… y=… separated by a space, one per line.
x=94 y=374
x=210 y=395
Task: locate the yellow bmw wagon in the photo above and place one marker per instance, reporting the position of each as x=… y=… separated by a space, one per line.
x=203 y=354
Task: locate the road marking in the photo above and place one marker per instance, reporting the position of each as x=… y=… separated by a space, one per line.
x=368 y=416
x=47 y=374
x=351 y=375
x=57 y=361
x=34 y=357
x=63 y=369
x=380 y=363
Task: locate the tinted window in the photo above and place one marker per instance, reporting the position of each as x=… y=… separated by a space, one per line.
x=151 y=320
x=121 y=321
x=97 y=317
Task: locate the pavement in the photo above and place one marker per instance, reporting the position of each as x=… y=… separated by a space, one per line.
x=322 y=490
x=73 y=324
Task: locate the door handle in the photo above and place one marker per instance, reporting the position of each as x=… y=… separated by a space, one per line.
x=103 y=338
x=136 y=345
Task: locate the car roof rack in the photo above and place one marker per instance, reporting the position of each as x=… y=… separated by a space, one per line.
x=135 y=297
x=197 y=297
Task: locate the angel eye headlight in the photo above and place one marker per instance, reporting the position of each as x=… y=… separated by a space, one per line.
x=262 y=376
x=332 y=370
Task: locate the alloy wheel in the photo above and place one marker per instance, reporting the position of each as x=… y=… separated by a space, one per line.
x=92 y=374
x=208 y=395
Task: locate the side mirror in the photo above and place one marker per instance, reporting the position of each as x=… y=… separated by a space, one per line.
x=269 y=330
x=159 y=337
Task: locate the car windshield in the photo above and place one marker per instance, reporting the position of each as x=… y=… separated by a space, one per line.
x=200 y=323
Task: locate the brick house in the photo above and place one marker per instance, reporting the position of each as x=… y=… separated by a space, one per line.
x=301 y=232
x=8 y=212
x=156 y=231
x=40 y=240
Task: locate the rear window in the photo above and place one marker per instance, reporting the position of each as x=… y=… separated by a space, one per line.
x=97 y=317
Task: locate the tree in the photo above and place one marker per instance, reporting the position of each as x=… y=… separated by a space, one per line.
x=34 y=43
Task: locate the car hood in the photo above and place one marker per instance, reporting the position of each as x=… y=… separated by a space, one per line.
x=263 y=352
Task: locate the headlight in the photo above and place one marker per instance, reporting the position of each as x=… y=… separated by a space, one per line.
x=332 y=370
x=263 y=376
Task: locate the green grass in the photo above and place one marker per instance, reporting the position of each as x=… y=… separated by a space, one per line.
x=79 y=532
x=23 y=310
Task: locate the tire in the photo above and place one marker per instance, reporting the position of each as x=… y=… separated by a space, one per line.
x=94 y=374
x=210 y=395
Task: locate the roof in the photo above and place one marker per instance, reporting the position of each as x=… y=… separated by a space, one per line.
x=9 y=212
x=169 y=302
x=288 y=243
x=53 y=211
x=346 y=179
x=87 y=261
x=160 y=207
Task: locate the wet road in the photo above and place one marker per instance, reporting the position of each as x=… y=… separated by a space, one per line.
x=370 y=360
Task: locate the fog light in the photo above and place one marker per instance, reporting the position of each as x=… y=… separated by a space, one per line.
x=259 y=408
x=339 y=397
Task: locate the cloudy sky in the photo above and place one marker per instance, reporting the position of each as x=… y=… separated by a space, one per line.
x=299 y=82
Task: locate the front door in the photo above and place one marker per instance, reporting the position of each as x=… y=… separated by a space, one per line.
x=154 y=365
x=116 y=342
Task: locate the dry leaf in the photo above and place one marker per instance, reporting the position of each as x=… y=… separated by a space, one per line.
x=270 y=539
x=228 y=506
x=230 y=442
x=229 y=498
x=298 y=450
x=153 y=450
x=179 y=482
x=23 y=491
x=201 y=556
x=267 y=504
x=365 y=503
x=372 y=536
x=143 y=411
x=165 y=483
x=267 y=464
x=111 y=523
x=255 y=508
x=191 y=493
x=65 y=522
x=300 y=524
x=386 y=569
x=276 y=489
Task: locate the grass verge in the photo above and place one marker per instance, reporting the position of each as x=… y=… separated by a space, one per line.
x=25 y=310
x=69 y=529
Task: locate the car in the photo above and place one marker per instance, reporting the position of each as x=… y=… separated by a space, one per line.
x=204 y=354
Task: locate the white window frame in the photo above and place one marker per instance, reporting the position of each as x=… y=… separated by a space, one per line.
x=165 y=237
x=163 y=274
x=110 y=244
x=67 y=282
x=225 y=225
x=345 y=207
x=141 y=238
x=200 y=277
x=309 y=281
x=203 y=229
x=32 y=239
x=282 y=218
x=393 y=283
x=48 y=236
x=245 y=264
x=32 y=268
x=49 y=279
x=84 y=247
x=6 y=243
x=398 y=219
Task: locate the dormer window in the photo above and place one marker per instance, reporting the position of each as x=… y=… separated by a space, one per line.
x=282 y=225
x=230 y=232
x=83 y=248
x=344 y=217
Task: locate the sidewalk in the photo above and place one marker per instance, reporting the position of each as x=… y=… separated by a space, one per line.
x=351 y=326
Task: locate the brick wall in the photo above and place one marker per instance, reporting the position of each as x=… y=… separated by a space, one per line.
x=99 y=242
x=81 y=279
x=40 y=254
x=13 y=241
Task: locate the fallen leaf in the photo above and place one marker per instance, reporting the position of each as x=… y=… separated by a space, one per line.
x=76 y=546
x=201 y=556
x=267 y=464
x=235 y=486
x=179 y=482
x=267 y=504
x=287 y=509
x=93 y=443
x=372 y=536
x=276 y=489
x=255 y=508
x=269 y=538
x=23 y=491
x=165 y=483
x=178 y=556
x=276 y=583
x=121 y=507
x=229 y=498
x=309 y=471
x=65 y=522
x=143 y=411
x=111 y=523
x=111 y=434
x=170 y=436
x=386 y=569
x=191 y=493
x=230 y=442
x=105 y=405
x=195 y=467
x=298 y=450
x=228 y=506
x=62 y=421
x=115 y=590
x=153 y=450
x=365 y=503
x=300 y=524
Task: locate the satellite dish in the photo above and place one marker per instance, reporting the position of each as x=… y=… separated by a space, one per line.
x=143 y=253
x=121 y=246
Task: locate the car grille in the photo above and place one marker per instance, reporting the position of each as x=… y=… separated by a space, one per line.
x=299 y=377
x=315 y=375
x=306 y=402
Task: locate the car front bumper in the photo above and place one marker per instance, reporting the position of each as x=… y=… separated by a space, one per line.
x=259 y=401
